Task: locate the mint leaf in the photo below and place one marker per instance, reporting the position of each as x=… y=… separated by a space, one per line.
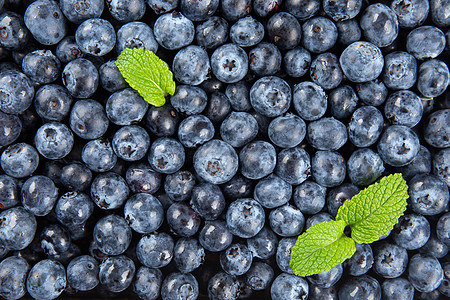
x=146 y=73
x=374 y=211
x=320 y=248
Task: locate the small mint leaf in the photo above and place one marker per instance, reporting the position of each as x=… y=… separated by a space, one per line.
x=374 y=211
x=146 y=73
x=320 y=248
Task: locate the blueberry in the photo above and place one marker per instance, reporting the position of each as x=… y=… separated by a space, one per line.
x=41 y=66
x=257 y=159
x=297 y=61
x=325 y=71
x=362 y=61
x=435 y=247
x=137 y=210
x=212 y=33
x=45 y=21
x=259 y=276
x=162 y=6
x=52 y=102
x=198 y=10
x=390 y=260
x=400 y=70
x=166 y=155
x=286 y=286
x=215 y=236
x=191 y=65
x=327 y=134
x=365 y=126
x=286 y=220
x=39 y=195
x=131 y=142
x=9 y=192
x=440 y=165
x=404 y=108
x=283 y=254
x=303 y=10
x=218 y=107
x=178 y=186
x=272 y=191
x=287 y=131
x=16 y=92
x=425 y=42
x=372 y=92
x=428 y=195
x=264 y=244
x=208 y=201
x=236 y=260
x=319 y=34
x=147 y=283
x=182 y=219
x=309 y=197
x=433 y=78
x=233 y=10
x=125 y=107
x=46 y=280
x=229 y=63
x=443 y=229
x=310 y=100
x=87 y=266
x=10 y=128
x=411 y=232
x=13 y=31
x=141 y=178
x=338 y=195
x=342 y=10
x=19 y=160
x=270 y=96
x=111 y=79
x=361 y=287
x=112 y=235
x=379 y=24
x=155 y=250
x=116 y=273
x=95 y=36
x=328 y=168
x=17 y=228
x=54 y=140
x=265 y=59
x=284 y=30
x=348 y=31
x=364 y=167
x=13 y=277
x=398 y=145
x=420 y=164
x=436 y=131
x=73 y=208
x=188 y=254
x=173 y=31
x=195 y=130
x=397 y=289
x=136 y=35
x=264 y=8
x=328 y=278
x=163 y=120
x=444 y=287
x=410 y=13
x=77 y=11
x=245 y=217
x=318 y=293
x=425 y=273
x=223 y=286
x=126 y=10
x=237 y=187
x=294 y=165
x=438 y=10
x=98 y=155
x=239 y=95
x=361 y=261
x=68 y=50
x=247 y=32
x=190 y=100
x=343 y=102
x=54 y=240
x=109 y=190
x=179 y=286
x=80 y=77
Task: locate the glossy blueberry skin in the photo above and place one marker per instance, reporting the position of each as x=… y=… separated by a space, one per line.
x=379 y=24
x=163 y=120
x=178 y=186
x=435 y=247
x=46 y=280
x=195 y=130
x=144 y=213
x=425 y=42
x=309 y=197
x=287 y=131
x=73 y=208
x=80 y=77
x=223 y=286
x=245 y=217
x=198 y=10
x=264 y=8
x=17 y=92
x=412 y=13
x=54 y=140
x=207 y=201
x=390 y=260
x=136 y=35
x=441 y=165
x=215 y=236
x=283 y=255
x=265 y=59
x=131 y=142
x=237 y=187
x=338 y=195
x=216 y=162
x=179 y=286
x=348 y=31
x=13 y=276
x=147 y=283
x=238 y=129
x=443 y=229
x=236 y=260
x=259 y=276
x=361 y=61
x=39 y=195
x=425 y=273
x=294 y=165
x=397 y=289
x=342 y=10
x=229 y=63
x=361 y=287
x=264 y=244
x=68 y=50
x=188 y=254
x=162 y=6
x=400 y=70
x=270 y=96
x=116 y=273
x=398 y=145
x=112 y=235
x=411 y=232
x=173 y=31
x=125 y=107
x=364 y=167
x=191 y=65
x=420 y=164
x=403 y=108
x=95 y=36
x=41 y=66
x=310 y=100
x=319 y=34
x=438 y=9
x=155 y=250
x=166 y=155
x=284 y=30
x=326 y=71
x=52 y=102
x=328 y=278
x=272 y=191
x=433 y=78
x=286 y=221
x=328 y=168
x=54 y=240
x=87 y=266
x=126 y=11
x=77 y=11
x=182 y=219
x=428 y=195
x=109 y=190
x=110 y=77
x=372 y=92
x=14 y=33
x=9 y=192
x=17 y=228
x=318 y=293
x=141 y=178
x=365 y=126
x=190 y=100
x=232 y=10
x=247 y=32
x=303 y=10
x=10 y=128
x=218 y=107
x=212 y=33
x=343 y=102
x=436 y=129
x=45 y=21
x=361 y=261
x=98 y=155
x=297 y=62
x=257 y=159
x=239 y=96
x=287 y=286
x=327 y=134
x=444 y=287
x=19 y=160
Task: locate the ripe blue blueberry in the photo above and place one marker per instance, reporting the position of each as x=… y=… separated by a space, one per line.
x=270 y=96
x=411 y=232
x=39 y=195
x=372 y=92
x=112 y=235
x=425 y=273
x=126 y=11
x=195 y=130
x=19 y=160
x=433 y=78
x=397 y=289
x=218 y=107
x=338 y=195
x=236 y=260
x=245 y=217
x=110 y=77
x=80 y=77
x=425 y=42
x=265 y=59
x=297 y=61
x=400 y=70
x=364 y=167
x=398 y=145
x=116 y=273
x=166 y=155
x=404 y=108
x=441 y=165
x=328 y=278
x=284 y=30
x=191 y=65
x=287 y=286
x=95 y=36
x=54 y=140
x=173 y=31
x=365 y=126
x=310 y=100
x=68 y=50
x=14 y=33
x=190 y=100
x=327 y=134
x=87 y=266
x=188 y=254
x=163 y=120
x=390 y=260
x=73 y=208
x=343 y=101
x=215 y=236
x=223 y=286
x=10 y=128
x=198 y=10
x=361 y=261
x=208 y=201
x=229 y=63
x=294 y=165
x=283 y=255
x=109 y=190
x=155 y=250
x=410 y=14
x=46 y=280
x=264 y=244
x=233 y=10
x=13 y=277
x=212 y=33
x=257 y=159
x=319 y=34
x=52 y=102
x=182 y=219
x=436 y=132
x=342 y=10
x=272 y=191
x=9 y=191
x=247 y=32
x=147 y=283
x=77 y=11
x=348 y=31
x=179 y=286
x=16 y=92
x=286 y=220
x=326 y=71
x=136 y=35
x=428 y=195
x=144 y=213
x=17 y=228
x=41 y=66
x=361 y=287
x=379 y=24
x=131 y=142
x=141 y=178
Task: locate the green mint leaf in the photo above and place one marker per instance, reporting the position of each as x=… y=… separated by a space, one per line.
x=320 y=248
x=146 y=73
x=374 y=211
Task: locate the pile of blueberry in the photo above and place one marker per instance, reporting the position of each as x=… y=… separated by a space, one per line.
x=283 y=110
